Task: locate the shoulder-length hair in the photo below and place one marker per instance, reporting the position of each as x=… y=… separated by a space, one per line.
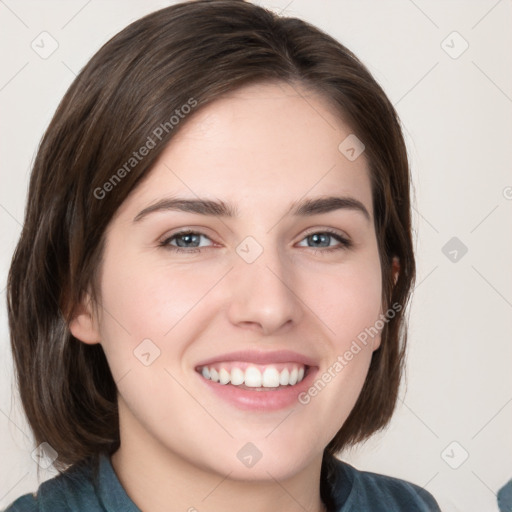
x=191 y=54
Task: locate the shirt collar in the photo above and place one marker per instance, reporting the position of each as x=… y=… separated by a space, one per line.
x=110 y=491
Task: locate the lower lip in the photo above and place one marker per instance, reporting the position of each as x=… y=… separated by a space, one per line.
x=272 y=400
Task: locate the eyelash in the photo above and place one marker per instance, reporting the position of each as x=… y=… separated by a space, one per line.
x=344 y=242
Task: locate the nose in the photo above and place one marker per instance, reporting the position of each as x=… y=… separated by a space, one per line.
x=263 y=294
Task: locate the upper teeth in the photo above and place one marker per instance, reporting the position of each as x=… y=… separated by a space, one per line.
x=254 y=376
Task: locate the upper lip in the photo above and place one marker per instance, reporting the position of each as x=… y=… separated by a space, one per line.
x=261 y=357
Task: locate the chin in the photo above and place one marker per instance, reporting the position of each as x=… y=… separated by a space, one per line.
x=252 y=464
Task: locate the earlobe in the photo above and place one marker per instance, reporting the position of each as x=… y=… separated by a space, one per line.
x=83 y=325
x=377 y=340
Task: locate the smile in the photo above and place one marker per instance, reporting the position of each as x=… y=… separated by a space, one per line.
x=254 y=376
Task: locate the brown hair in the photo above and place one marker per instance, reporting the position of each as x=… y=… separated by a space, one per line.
x=186 y=54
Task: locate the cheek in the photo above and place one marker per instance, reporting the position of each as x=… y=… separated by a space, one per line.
x=147 y=302
x=151 y=299
x=349 y=304
x=348 y=300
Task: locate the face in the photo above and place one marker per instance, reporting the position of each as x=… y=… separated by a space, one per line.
x=264 y=297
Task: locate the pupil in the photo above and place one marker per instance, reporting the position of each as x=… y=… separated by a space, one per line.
x=318 y=236
x=187 y=238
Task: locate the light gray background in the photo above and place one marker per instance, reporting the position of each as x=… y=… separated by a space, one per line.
x=457 y=113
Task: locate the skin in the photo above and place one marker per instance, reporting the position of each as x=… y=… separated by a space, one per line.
x=260 y=148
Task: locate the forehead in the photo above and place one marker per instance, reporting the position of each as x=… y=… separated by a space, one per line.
x=261 y=145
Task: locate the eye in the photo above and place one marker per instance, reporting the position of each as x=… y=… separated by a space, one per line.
x=186 y=241
x=323 y=239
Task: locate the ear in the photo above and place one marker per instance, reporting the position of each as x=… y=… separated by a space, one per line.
x=84 y=325
x=395 y=268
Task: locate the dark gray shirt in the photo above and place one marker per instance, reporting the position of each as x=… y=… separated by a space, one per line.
x=343 y=489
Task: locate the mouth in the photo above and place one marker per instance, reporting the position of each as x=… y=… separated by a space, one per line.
x=258 y=381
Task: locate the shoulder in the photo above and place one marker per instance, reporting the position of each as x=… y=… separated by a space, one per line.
x=68 y=491
x=25 y=503
x=376 y=492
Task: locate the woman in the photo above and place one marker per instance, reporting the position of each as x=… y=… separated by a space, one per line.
x=207 y=300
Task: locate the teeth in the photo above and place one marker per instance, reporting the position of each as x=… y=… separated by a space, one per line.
x=253 y=377
x=284 y=377
x=270 y=378
x=224 y=376
x=237 y=376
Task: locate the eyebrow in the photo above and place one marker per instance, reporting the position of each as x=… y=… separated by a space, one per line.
x=303 y=208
